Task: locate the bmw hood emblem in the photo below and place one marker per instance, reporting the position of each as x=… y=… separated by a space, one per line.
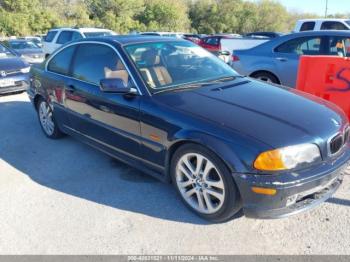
x=3 y=73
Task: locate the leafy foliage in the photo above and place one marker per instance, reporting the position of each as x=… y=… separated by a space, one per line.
x=25 y=17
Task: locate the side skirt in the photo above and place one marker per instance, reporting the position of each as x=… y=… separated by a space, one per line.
x=142 y=166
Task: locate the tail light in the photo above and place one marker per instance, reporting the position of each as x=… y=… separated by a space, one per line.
x=234 y=58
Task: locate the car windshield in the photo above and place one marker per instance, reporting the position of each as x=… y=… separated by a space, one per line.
x=177 y=64
x=35 y=40
x=5 y=52
x=17 y=45
x=97 y=34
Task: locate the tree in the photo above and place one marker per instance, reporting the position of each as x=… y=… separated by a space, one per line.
x=160 y=15
x=118 y=15
x=220 y=16
x=24 y=17
x=269 y=16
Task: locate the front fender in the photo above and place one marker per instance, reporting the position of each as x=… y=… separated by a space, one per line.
x=228 y=152
x=263 y=67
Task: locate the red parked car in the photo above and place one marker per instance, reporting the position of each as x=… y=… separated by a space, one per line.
x=195 y=38
x=213 y=43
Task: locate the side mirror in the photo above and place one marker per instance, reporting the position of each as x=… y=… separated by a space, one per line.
x=116 y=85
x=224 y=53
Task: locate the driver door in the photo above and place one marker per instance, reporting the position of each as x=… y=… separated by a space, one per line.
x=109 y=119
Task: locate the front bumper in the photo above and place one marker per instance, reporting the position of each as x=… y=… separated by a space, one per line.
x=295 y=191
x=20 y=83
x=18 y=87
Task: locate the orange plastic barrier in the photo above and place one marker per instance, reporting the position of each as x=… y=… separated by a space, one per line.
x=327 y=77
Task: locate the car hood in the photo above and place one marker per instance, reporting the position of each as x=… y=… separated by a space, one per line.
x=12 y=63
x=273 y=115
x=33 y=51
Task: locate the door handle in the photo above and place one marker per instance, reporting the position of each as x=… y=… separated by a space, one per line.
x=105 y=109
x=70 y=88
x=282 y=59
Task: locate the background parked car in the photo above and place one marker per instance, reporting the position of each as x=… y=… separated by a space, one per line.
x=59 y=36
x=27 y=50
x=195 y=38
x=14 y=72
x=213 y=43
x=166 y=34
x=277 y=60
x=322 y=24
x=264 y=34
x=35 y=39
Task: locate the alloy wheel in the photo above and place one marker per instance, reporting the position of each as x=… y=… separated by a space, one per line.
x=45 y=116
x=265 y=78
x=200 y=183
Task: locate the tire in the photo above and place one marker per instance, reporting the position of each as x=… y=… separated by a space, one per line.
x=267 y=77
x=213 y=184
x=47 y=121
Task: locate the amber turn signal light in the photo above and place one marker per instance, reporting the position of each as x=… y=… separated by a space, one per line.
x=264 y=191
x=270 y=160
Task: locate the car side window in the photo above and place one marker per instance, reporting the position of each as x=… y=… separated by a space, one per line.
x=333 y=26
x=339 y=46
x=301 y=46
x=76 y=36
x=50 y=36
x=64 y=37
x=307 y=26
x=61 y=61
x=94 y=62
x=212 y=41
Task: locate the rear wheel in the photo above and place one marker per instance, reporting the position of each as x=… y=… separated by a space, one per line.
x=47 y=120
x=204 y=183
x=267 y=77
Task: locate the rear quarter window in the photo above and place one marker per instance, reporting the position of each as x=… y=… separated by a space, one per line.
x=60 y=63
x=212 y=41
x=333 y=26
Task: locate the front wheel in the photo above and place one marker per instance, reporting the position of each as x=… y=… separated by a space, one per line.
x=266 y=76
x=205 y=183
x=47 y=120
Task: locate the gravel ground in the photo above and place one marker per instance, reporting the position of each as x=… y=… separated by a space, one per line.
x=63 y=197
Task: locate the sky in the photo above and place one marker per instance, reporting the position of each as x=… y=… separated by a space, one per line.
x=318 y=6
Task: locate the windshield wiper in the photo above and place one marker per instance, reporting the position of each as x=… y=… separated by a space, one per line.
x=182 y=87
x=199 y=84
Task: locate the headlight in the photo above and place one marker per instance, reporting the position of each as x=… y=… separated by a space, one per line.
x=33 y=59
x=25 y=70
x=287 y=157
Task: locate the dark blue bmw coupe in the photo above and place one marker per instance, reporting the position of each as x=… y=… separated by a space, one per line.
x=173 y=110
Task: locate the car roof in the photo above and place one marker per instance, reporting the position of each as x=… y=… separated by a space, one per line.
x=222 y=36
x=324 y=19
x=264 y=32
x=130 y=39
x=161 y=33
x=320 y=33
x=82 y=29
x=91 y=29
x=284 y=38
x=18 y=40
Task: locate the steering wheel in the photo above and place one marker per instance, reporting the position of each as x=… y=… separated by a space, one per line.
x=199 y=63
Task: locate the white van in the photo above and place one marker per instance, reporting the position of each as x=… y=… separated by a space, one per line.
x=322 y=24
x=59 y=36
